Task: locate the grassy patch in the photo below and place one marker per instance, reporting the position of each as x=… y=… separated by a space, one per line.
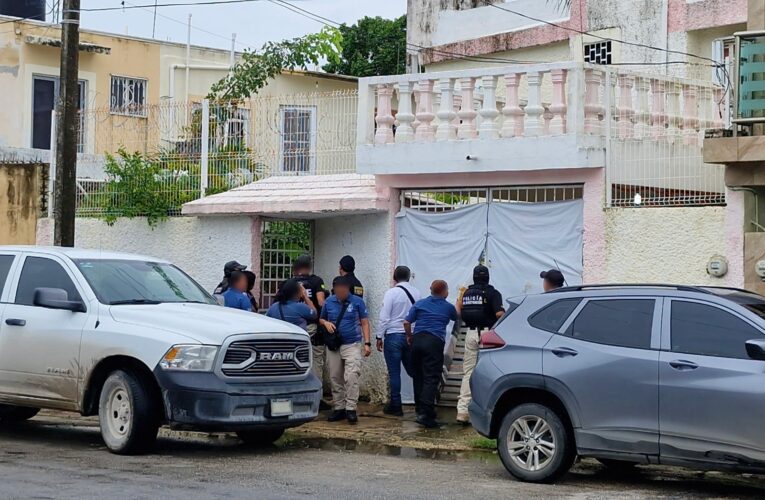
x=483 y=443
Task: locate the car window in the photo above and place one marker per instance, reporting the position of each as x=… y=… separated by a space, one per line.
x=620 y=322
x=511 y=307
x=709 y=331
x=39 y=272
x=5 y=267
x=551 y=317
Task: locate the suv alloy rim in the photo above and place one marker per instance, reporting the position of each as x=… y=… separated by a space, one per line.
x=531 y=443
x=119 y=412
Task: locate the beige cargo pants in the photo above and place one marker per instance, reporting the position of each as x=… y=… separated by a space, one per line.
x=468 y=365
x=344 y=373
x=319 y=356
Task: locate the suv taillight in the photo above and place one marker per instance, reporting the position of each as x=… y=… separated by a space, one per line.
x=490 y=340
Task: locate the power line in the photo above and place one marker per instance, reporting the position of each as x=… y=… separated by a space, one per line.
x=179 y=4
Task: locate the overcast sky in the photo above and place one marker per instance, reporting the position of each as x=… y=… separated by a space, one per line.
x=254 y=22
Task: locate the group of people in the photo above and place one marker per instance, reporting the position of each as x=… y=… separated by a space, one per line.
x=412 y=330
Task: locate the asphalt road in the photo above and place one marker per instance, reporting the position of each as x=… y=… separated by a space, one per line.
x=42 y=460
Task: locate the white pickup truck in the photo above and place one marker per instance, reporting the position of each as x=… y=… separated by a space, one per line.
x=139 y=343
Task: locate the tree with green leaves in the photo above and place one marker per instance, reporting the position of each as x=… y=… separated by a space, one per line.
x=255 y=69
x=373 y=46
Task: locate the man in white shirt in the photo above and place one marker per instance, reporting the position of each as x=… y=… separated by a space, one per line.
x=391 y=338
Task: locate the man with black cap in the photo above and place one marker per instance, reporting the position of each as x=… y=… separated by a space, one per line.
x=229 y=268
x=479 y=306
x=347 y=269
x=302 y=270
x=552 y=279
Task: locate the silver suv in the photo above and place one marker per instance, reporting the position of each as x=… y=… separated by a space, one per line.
x=627 y=374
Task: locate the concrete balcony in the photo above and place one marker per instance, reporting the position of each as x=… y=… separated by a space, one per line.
x=526 y=117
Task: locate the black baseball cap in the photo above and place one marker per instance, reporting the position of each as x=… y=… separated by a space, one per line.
x=348 y=264
x=232 y=266
x=553 y=276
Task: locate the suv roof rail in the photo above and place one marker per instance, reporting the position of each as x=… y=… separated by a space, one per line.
x=682 y=288
x=731 y=289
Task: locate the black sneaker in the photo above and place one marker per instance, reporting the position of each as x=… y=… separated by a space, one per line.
x=324 y=406
x=337 y=416
x=352 y=416
x=396 y=411
x=428 y=423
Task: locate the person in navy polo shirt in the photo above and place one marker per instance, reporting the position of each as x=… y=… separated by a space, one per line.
x=236 y=296
x=345 y=363
x=430 y=317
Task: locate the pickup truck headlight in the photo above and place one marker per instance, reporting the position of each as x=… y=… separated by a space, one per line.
x=194 y=358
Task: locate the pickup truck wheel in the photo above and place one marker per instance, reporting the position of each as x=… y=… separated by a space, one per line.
x=127 y=413
x=534 y=444
x=12 y=414
x=260 y=438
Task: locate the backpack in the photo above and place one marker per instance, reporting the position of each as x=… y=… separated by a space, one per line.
x=475 y=302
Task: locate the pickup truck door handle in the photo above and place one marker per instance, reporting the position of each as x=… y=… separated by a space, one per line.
x=683 y=365
x=563 y=352
x=15 y=322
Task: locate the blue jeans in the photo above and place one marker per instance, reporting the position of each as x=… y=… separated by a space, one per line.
x=396 y=352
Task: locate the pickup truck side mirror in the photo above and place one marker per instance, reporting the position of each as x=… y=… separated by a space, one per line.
x=756 y=349
x=57 y=298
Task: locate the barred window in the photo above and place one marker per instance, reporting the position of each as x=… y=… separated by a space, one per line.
x=298 y=142
x=128 y=96
x=598 y=52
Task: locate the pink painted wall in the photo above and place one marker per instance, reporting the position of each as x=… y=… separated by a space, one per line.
x=684 y=16
x=594 y=218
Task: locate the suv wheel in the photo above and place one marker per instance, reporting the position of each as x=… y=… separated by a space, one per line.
x=534 y=444
x=262 y=437
x=128 y=414
x=12 y=414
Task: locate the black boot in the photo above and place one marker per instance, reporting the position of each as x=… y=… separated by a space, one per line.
x=352 y=416
x=337 y=416
x=428 y=422
x=394 y=410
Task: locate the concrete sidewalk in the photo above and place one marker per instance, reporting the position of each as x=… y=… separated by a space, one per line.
x=374 y=428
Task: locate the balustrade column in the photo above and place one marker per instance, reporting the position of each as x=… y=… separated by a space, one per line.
x=513 y=114
x=658 y=115
x=643 y=112
x=467 y=112
x=405 y=131
x=534 y=109
x=593 y=108
x=446 y=114
x=674 y=120
x=489 y=113
x=558 y=108
x=690 y=114
x=625 y=110
x=384 y=118
x=425 y=113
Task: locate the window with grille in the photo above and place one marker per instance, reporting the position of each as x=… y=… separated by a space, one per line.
x=298 y=141
x=598 y=52
x=128 y=96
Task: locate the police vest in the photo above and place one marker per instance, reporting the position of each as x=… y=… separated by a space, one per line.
x=475 y=307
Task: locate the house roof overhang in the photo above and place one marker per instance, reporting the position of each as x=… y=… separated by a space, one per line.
x=297 y=197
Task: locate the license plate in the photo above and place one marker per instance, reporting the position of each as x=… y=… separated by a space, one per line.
x=281 y=407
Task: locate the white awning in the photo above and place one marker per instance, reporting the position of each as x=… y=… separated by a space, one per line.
x=56 y=42
x=305 y=196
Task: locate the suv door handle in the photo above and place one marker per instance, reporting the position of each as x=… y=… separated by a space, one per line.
x=683 y=365
x=562 y=352
x=15 y=322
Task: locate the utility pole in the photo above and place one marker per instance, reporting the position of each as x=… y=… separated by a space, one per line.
x=65 y=187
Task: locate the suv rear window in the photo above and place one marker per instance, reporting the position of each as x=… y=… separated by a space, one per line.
x=511 y=306
x=620 y=322
x=551 y=317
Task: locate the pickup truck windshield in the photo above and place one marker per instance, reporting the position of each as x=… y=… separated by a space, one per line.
x=138 y=282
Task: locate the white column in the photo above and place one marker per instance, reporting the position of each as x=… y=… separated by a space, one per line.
x=658 y=114
x=384 y=119
x=467 y=112
x=405 y=131
x=446 y=114
x=625 y=109
x=642 y=112
x=425 y=114
x=690 y=114
x=534 y=109
x=512 y=112
x=674 y=119
x=489 y=113
x=205 y=158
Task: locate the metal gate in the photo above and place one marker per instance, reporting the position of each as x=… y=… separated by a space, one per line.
x=282 y=242
x=444 y=200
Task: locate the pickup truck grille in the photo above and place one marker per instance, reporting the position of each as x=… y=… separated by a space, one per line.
x=267 y=358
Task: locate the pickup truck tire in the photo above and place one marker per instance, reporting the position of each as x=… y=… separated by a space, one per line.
x=13 y=414
x=127 y=414
x=260 y=438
